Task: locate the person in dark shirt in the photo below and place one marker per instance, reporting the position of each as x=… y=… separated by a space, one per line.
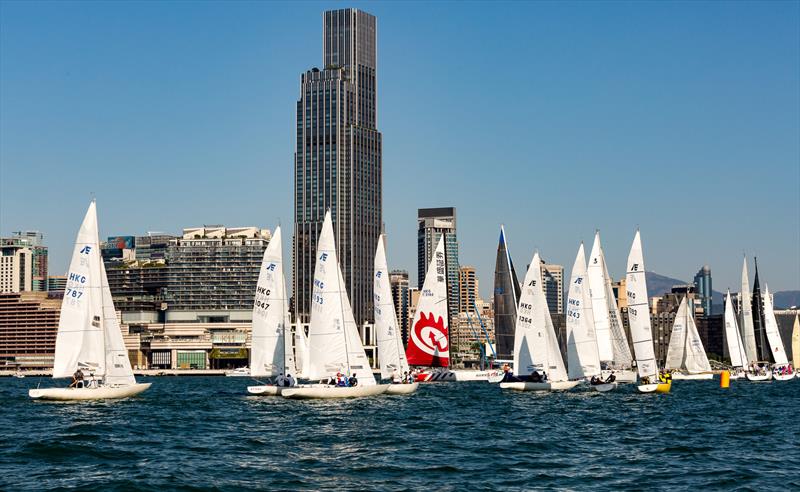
x=353 y=380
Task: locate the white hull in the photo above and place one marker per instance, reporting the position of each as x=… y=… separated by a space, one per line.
x=736 y=375
x=402 y=389
x=783 y=377
x=551 y=386
x=759 y=378
x=602 y=388
x=691 y=377
x=496 y=379
x=647 y=388
x=476 y=375
x=623 y=376
x=312 y=392
x=99 y=393
x=266 y=390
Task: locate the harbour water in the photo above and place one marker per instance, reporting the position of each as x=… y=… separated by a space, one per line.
x=205 y=433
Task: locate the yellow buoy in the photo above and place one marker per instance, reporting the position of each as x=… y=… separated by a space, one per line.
x=724 y=379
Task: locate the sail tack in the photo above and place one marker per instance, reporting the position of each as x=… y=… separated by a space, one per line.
x=271 y=352
x=390 y=344
x=428 y=343
x=334 y=341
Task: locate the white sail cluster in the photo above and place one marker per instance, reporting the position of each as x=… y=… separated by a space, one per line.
x=686 y=352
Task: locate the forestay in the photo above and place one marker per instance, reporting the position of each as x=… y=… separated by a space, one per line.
x=428 y=343
x=773 y=335
x=582 y=350
x=334 y=341
x=390 y=344
x=271 y=352
x=639 y=311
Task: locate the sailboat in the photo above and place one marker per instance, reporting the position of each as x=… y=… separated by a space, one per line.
x=583 y=356
x=333 y=339
x=639 y=319
x=428 y=342
x=271 y=351
x=89 y=336
x=796 y=345
x=390 y=345
x=781 y=370
x=686 y=356
x=746 y=317
x=612 y=344
x=537 y=357
x=736 y=349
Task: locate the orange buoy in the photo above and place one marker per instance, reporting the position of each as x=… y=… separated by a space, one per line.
x=724 y=379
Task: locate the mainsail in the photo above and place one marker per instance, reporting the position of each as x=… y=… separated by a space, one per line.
x=334 y=341
x=271 y=352
x=746 y=312
x=736 y=349
x=535 y=342
x=612 y=343
x=89 y=335
x=796 y=342
x=428 y=343
x=771 y=328
x=506 y=298
x=390 y=344
x=582 y=350
x=639 y=312
x=685 y=351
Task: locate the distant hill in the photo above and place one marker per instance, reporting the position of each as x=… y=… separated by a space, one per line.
x=659 y=285
x=786 y=298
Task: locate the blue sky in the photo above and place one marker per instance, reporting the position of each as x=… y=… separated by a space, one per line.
x=682 y=118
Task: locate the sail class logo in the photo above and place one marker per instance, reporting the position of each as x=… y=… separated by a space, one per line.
x=86 y=250
x=430 y=335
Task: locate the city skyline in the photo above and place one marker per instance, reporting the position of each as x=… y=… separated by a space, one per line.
x=704 y=108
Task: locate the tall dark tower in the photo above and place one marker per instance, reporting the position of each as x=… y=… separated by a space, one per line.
x=337 y=160
x=758 y=319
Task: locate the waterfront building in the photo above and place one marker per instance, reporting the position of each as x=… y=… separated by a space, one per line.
x=468 y=339
x=398 y=281
x=28 y=327
x=56 y=283
x=468 y=289
x=431 y=224
x=16 y=267
x=337 y=161
x=702 y=288
x=34 y=241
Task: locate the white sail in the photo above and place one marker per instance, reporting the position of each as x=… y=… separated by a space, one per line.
x=796 y=343
x=732 y=337
x=619 y=341
x=600 y=308
x=80 y=338
x=639 y=312
x=390 y=344
x=773 y=335
x=582 y=347
x=676 y=351
x=535 y=343
x=334 y=341
x=746 y=310
x=271 y=350
x=695 y=358
x=301 y=351
x=119 y=371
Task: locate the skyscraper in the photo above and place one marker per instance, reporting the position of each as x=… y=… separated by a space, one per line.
x=398 y=279
x=431 y=224
x=337 y=160
x=702 y=288
x=553 y=286
x=468 y=289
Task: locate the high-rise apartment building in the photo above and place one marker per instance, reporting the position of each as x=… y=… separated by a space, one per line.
x=16 y=267
x=337 y=160
x=702 y=289
x=431 y=224
x=553 y=286
x=398 y=280
x=28 y=326
x=34 y=241
x=468 y=289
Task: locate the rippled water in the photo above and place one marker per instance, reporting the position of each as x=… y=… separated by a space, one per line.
x=205 y=433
